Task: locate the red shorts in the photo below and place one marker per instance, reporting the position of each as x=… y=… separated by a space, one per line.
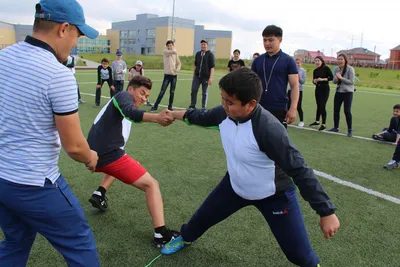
x=125 y=169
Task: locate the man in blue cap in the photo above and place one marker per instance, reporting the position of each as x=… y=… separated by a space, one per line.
x=39 y=108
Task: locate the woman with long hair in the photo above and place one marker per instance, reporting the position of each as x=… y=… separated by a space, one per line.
x=344 y=78
x=321 y=77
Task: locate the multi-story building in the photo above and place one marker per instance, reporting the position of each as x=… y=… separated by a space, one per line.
x=148 y=33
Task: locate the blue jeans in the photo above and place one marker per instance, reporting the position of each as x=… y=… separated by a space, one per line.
x=282 y=212
x=195 y=89
x=52 y=211
x=167 y=80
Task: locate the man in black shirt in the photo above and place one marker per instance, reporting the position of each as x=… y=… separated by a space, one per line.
x=203 y=72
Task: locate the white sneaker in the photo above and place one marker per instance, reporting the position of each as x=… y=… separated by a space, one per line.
x=301 y=124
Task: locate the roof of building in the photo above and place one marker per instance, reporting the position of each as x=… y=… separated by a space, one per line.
x=396 y=48
x=314 y=54
x=359 y=51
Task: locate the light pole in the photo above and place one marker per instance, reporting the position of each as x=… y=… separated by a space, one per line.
x=173 y=15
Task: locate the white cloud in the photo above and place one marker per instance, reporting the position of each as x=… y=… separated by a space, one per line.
x=327 y=26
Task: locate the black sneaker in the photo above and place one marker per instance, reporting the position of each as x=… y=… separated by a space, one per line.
x=159 y=241
x=377 y=137
x=153 y=109
x=322 y=128
x=334 y=130
x=170 y=109
x=98 y=201
x=315 y=123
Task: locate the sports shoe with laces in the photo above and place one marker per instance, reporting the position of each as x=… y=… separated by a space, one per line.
x=391 y=165
x=175 y=245
x=160 y=240
x=99 y=201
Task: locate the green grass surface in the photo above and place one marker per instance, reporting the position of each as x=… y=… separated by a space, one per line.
x=189 y=161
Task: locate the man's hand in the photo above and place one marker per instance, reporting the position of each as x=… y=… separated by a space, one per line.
x=98 y=86
x=93 y=161
x=165 y=118
x=210 y=81
x=112 y=87
x=291 y=115
x=329 y=225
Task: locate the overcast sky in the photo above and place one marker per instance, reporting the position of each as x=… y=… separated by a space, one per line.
x=327 y=26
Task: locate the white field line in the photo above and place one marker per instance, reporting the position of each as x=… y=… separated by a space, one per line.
x=326 y=175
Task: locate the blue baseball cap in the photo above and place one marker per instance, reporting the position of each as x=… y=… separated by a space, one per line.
x=119 y=53
x=61 y=11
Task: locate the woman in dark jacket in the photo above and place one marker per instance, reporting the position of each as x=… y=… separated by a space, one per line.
x=321 y=77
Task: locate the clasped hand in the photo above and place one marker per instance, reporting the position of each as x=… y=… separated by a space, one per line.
x=165 y=118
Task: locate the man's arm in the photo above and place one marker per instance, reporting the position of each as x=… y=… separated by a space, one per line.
x=73 y=141
x=295 y=89
x=207 y=118
x=178 y=63
x=125 y=67
x=169 y=52
x=65 y=109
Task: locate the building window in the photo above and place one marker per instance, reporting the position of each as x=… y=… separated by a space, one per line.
x=124 y=34
x=212 y=49
x=151 y=33
x=210 y=41
x=132 y=34
x=131 y=42
x=150 y=51
x=150 y=42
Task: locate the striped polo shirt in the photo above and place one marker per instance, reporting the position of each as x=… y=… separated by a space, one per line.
x=34 y=87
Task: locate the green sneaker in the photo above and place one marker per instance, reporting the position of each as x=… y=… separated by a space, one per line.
x=175 y=245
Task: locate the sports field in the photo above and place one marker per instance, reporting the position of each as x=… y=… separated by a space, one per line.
x=188 y=162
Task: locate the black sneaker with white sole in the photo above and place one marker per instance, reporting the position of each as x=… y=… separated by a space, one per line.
x=99 y=201
x=159 y=240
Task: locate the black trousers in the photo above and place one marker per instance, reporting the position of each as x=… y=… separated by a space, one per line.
x=299 y=107
x=98 y=91
x=347 y=99
x=321 y=97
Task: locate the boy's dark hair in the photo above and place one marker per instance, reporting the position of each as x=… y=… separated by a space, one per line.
x=397 y=106
x=256 y=54
x=272 y=30
x=236 y=50
x=243 y=83
x=169 y=42
x=140 y=80
x=104 y=60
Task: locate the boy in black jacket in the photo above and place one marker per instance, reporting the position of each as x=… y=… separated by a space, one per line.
x=104 y=74
x=203 y=72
